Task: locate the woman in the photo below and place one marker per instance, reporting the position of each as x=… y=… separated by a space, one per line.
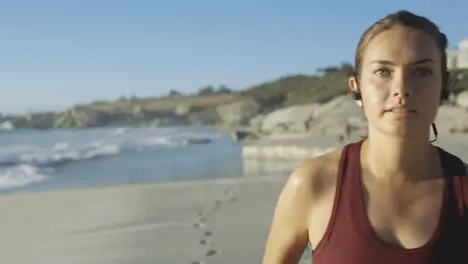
x=392 y=197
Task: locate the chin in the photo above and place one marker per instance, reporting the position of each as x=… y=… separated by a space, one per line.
x=403 y=130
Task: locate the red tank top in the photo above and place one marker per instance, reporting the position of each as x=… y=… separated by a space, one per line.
x=349 y=238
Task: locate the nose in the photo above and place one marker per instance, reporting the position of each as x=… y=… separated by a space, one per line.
x=399 y=92
x=401 y=87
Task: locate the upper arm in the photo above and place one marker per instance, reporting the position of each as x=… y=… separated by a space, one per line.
x=288 y=235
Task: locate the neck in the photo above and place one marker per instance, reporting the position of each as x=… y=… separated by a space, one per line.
x=398 y=160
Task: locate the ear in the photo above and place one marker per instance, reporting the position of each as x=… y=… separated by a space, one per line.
x=354 y=87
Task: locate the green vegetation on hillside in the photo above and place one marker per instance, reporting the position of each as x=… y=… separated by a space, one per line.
x=302 y=89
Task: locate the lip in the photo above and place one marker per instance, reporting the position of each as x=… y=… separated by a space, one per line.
x=406 y=113
x=405 y=109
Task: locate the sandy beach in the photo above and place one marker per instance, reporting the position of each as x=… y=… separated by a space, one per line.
x=218 y=221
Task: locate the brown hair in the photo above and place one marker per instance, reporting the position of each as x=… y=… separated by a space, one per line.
x=406 y=19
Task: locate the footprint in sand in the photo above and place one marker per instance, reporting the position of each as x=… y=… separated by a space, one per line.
x=217 y=205
x=208 y=233
x=211 y=252
x=230 y=197
x=199 y=225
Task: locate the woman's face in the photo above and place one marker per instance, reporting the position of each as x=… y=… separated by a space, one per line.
x=400 y=82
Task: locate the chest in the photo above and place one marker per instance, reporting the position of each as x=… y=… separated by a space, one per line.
x=408 y=218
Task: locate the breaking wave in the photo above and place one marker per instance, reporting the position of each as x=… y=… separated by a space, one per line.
x=20 y=175
x=24 y=164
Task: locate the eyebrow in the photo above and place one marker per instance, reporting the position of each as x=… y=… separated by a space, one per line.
x=421 y=61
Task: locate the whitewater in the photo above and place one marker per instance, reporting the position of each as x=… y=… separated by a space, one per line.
x=33 y=160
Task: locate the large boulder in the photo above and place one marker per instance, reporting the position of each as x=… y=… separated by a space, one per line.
x=452 y=119
x=182 y=109
x=256 y=122
x=340 y=116
x=289 y=119
x=462 y=100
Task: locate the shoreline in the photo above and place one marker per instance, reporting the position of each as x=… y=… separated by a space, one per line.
x=156 y=184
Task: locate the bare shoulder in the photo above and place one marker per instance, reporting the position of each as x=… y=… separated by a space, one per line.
x=311 y=179
x=319 y=173
x=308 y=184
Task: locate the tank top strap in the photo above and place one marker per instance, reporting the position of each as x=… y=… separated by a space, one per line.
x=456 y=218
x=350 y=158
x=348 y=182
x=455 y=175
x=343 y=195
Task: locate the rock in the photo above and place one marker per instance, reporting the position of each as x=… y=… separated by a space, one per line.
x=452 y=119
x=182 y=110
x=291 y=119
x=241 y=134
x=357 y=122
x=451 y=100
x=195 y=141
x=462 y=100
x=136 y=110
x=202 y=117
x=334 y=104
x=340 y=117
x=256 y=122
x=238 y=112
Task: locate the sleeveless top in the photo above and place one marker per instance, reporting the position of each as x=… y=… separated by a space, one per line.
x=350 y=239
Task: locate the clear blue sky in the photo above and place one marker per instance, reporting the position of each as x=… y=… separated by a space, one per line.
x=54 y=54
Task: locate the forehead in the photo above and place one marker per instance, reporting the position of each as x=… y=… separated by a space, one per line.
x=401 y=45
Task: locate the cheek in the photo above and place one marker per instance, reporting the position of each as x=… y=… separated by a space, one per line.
x=427 y=94
x=374 y=97
x=428 y=101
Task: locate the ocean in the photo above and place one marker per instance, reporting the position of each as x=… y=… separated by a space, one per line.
x=56 y=159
